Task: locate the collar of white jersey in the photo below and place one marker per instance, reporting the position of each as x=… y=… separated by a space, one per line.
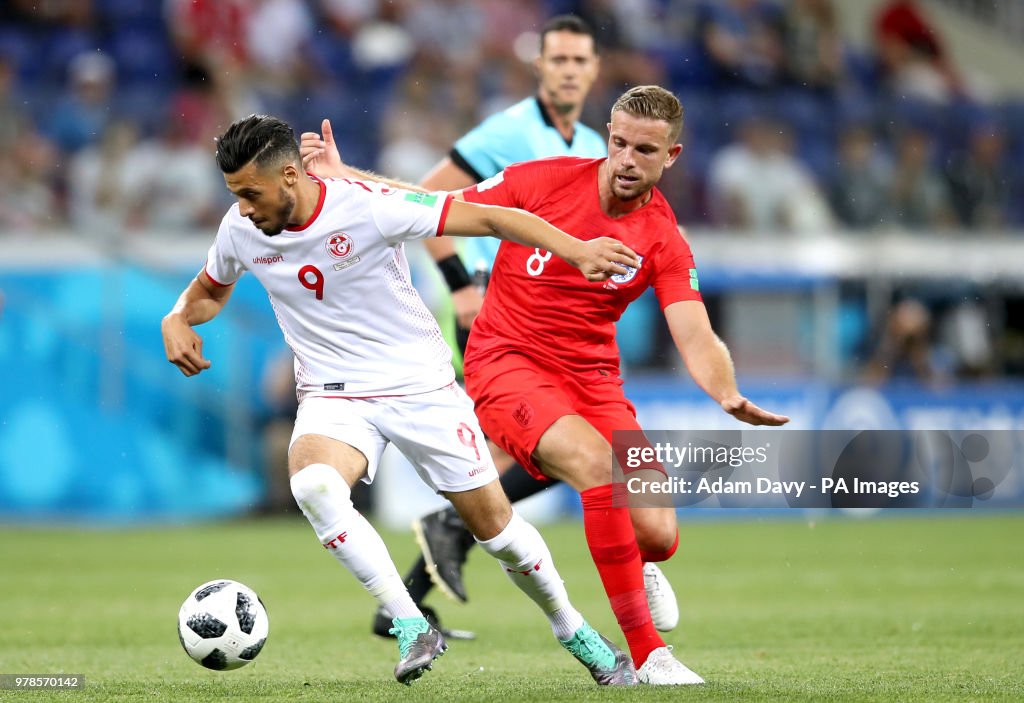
x=316 y=211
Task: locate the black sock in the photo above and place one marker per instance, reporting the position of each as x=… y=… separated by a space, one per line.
x=418 y=581
x=519 y=484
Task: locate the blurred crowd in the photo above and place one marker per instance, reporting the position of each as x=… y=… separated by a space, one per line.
x=108 y=108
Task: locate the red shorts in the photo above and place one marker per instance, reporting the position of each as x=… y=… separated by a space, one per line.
x=517 y=400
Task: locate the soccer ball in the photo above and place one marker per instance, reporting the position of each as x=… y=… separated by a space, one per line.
x=223 y=625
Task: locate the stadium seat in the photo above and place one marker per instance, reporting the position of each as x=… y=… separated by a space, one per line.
x=145 y=105
x=143 y=57
x=130 y=13
x=909 y=113
x=818 y=154
x=686 y=65
x=808 y=115
x=22 y=47
x=731 y=109
x=961 y=118
x=334 y=53
x=855 y=108
x=1012 y=117
x=863 y=69
x=697 y=155
x=61 y=46
x=701 y=119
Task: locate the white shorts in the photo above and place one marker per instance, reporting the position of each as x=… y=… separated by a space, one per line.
x=436 y=431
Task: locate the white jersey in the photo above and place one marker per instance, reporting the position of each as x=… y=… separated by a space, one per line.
x=341 y=289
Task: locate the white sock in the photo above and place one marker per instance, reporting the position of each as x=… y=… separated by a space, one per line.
x=326 y=501
x=565 y=622
x=524 y=556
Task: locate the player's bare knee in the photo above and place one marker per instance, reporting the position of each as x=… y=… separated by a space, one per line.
x=305 y=450
x=316 y=449
x=656 y=530
x=655 y=538
x=485 y=510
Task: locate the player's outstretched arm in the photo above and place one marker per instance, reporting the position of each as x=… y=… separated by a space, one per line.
x=200 y=302
x=598 y=259
x=709 y=363
x=320 y=156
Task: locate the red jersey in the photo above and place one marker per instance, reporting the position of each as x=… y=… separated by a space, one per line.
x=539 y=305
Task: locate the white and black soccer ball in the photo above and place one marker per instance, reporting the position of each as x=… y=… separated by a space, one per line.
x=223 y=624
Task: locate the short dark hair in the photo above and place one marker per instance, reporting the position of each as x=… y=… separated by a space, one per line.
x=566 y=23
x=261 y=138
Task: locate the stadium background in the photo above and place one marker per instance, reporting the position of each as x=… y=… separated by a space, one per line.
x=906 y=315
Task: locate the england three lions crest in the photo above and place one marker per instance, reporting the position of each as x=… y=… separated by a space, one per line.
x=622 y=278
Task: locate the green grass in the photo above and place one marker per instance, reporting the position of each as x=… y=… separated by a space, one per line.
x=922 y=608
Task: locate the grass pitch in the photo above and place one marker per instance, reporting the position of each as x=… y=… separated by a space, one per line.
x=906 y=608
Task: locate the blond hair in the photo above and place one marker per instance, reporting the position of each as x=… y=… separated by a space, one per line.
x=654 y=103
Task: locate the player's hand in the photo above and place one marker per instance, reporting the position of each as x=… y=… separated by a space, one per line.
x=602 y=258
x=183 y=346
x=467 y=302
x=745 y=411
x=320 y=156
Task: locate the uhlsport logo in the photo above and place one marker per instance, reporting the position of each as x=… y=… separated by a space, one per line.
x=267 y=260
x=339 y=245
x=626 y=277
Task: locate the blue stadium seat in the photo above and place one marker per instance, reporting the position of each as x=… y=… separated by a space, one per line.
x=143 y=57
x=855 y=108
x=23 y=48
x=1012 y=118
x=819 y=156
x=808 y=115
x=334 y=53
x=909 y=113
x=62 y=44
x=958 y=120
x=697 y=159
x=700 y=116
x=134 y=13
x=686 y=65
x=734 y=108
x=862 y=68
x=560 y=7
x=145 y=105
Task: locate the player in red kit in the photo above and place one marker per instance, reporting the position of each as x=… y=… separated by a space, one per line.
x=542 y=365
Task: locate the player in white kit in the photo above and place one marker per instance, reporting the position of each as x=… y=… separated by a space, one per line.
x=371 y=366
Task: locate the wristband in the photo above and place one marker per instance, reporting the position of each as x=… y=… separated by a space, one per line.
x=454 y=272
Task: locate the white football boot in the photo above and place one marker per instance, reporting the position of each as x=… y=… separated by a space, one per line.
x=661 y=599
x=663 y=669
